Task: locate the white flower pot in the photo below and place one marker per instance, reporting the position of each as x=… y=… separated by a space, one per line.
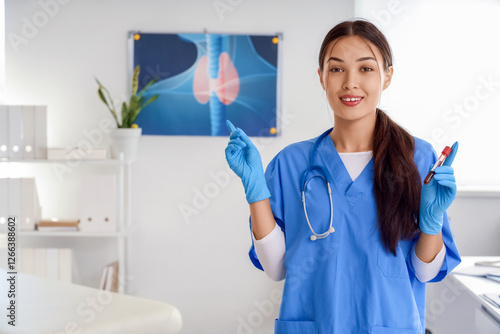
x=126 y=141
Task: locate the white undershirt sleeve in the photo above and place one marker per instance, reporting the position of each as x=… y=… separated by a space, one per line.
x=427 y=271
x=270 y=251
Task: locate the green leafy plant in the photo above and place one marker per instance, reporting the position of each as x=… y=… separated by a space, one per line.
x=136 y=103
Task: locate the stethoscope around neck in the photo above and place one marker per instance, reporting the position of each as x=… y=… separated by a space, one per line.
x=322 y=174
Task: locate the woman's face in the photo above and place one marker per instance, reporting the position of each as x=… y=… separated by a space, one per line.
x=352 y=78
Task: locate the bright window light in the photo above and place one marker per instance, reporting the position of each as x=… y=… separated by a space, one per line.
x=446 y=83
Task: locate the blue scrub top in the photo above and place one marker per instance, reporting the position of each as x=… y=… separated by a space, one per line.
x=347 y=282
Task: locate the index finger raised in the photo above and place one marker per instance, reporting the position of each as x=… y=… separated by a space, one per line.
x=451 y=157
x=230 y=126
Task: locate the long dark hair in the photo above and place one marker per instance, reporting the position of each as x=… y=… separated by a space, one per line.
x=397 y=182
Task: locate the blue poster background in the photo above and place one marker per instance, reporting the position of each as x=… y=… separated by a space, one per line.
x=173 y=60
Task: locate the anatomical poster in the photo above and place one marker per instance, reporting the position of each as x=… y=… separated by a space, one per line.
x=204 y=79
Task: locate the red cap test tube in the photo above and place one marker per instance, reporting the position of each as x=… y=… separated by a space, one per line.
x=446 y=152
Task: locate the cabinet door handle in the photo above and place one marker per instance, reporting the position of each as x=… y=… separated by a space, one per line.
x=490 y=315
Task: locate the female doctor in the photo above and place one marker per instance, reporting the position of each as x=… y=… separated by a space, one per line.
x=344 y=217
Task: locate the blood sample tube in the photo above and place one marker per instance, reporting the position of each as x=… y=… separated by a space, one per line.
x=446 y=152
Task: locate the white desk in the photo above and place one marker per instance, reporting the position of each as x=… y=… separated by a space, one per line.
x=476 y=286
x=454 y=305
x=50 y=307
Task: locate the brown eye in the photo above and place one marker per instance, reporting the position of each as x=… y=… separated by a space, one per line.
x=335 y=69
x=366 y=69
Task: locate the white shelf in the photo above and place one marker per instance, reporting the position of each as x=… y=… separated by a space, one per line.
x=478 y=191
x=76 y=234
x=123 y=172
x=85 y=161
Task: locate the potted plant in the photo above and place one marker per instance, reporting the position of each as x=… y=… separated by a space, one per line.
x=125 y=137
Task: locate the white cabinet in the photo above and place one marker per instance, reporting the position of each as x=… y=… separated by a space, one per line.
x=456 y=305
x=59 y=189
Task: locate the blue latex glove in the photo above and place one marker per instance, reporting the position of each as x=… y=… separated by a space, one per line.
x=438 y=195
x=244 y=159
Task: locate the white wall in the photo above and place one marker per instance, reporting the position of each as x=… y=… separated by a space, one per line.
x=200 y=265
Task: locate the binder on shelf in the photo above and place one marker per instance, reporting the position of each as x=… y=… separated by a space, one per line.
x=40 y=262
x=109 y=277
x=28 y=136
x=4 y=203
x=52 y=263
x=114 y=277
x=40 y=132
x=23 y=132
x=98 y=203
x=14 y=207
x=27 y=260
x=4 y=132
x=65 y=265
x=3 y=252
x=104 y=274
x=15 y=133
x=29 y=205
x=38 y=207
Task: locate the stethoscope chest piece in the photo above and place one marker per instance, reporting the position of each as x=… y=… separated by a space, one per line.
x=324 y=235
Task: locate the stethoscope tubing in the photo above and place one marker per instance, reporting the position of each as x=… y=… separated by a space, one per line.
x=325 y=178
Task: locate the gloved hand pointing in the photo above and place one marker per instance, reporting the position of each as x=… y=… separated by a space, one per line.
x=244 y=159
x=438 y=195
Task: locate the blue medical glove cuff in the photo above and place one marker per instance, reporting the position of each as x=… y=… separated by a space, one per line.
x=256 y=190
x=431 y=225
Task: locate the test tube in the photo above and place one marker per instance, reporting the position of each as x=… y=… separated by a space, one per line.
x=446 y=152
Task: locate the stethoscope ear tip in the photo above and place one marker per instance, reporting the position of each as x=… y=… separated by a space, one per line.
x=313 y=237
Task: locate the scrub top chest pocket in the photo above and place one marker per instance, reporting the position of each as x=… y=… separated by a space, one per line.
x=296 y=327
x=390 y=265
